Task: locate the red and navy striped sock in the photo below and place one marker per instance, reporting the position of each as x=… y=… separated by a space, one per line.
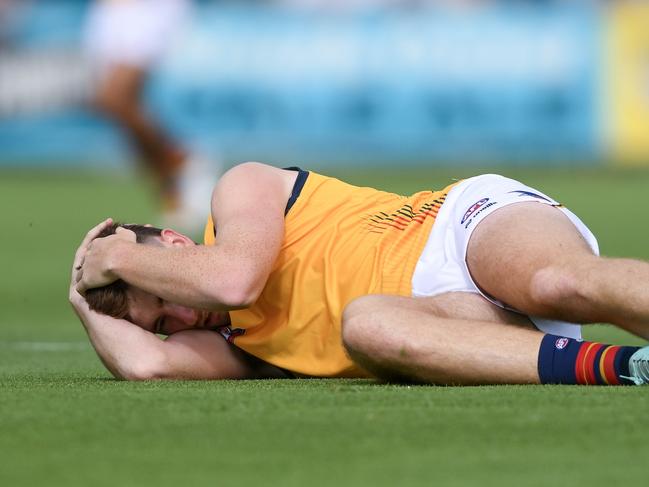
x=568 y=361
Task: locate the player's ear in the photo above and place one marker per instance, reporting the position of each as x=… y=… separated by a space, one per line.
x=172 y=237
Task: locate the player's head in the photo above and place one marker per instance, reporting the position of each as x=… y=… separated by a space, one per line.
x=120 y=300
x=112 y=299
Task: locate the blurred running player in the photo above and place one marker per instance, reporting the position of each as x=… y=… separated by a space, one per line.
x=479 y=283
x=125 y=39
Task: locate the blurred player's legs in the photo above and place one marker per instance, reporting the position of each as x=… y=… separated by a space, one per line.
x=119 y=96
x=125 y=39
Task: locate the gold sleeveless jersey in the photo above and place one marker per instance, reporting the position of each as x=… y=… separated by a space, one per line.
x=341 y=242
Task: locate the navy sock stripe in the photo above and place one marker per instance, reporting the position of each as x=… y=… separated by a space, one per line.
x=545 y=357
x=557 y=357
x=622 y=362
x=598 y=373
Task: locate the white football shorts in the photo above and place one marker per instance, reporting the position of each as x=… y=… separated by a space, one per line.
x=132 y=32
x=442 y=265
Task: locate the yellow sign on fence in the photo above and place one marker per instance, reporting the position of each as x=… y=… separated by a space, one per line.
x=627 y=80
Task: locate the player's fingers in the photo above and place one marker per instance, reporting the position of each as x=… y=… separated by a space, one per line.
x=81 y=287
x=90 y=236
x=96 y=230
x=78 y=275
x=77 y=266
x=80 y=256
x=126 y=234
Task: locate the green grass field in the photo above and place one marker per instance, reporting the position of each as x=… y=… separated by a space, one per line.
x=64 y=421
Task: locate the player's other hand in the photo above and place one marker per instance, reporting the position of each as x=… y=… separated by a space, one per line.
x=75 y=298
x=96 y=257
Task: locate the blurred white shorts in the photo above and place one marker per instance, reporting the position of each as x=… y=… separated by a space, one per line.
x=442 y=266
x=132 y=32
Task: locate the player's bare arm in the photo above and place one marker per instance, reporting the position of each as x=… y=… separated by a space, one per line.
x=248 y=205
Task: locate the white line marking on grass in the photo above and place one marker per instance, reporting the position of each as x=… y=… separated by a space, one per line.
x=46 y=346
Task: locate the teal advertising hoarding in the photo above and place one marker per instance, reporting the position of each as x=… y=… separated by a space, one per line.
x=504 y=83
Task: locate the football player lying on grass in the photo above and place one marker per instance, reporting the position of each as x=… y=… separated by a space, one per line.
x=483 y=282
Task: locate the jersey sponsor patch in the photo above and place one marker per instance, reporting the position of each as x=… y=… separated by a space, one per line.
x=472 y=209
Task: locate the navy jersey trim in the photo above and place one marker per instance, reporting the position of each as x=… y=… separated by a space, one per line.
x=297 y=187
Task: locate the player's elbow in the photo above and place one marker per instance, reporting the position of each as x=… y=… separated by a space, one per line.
x=136 y=374
x=152 y=368
x=238 y=293
x=229 y=298
x=249 y=292
x=240 y=298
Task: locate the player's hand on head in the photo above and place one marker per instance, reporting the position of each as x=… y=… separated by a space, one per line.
x=93 y=268
x=79 y=256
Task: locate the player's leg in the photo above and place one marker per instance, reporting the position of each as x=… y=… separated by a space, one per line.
x=184 y=182
x=119 y=96
x=460 y=338
x=456 y=338
x=531 y=257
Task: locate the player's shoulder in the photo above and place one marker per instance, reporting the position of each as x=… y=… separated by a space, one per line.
x=256 y=178
x=251 y=171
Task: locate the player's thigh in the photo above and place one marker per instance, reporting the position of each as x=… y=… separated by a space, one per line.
x=471 y=307
x=510 y=246
x=120 y=87
x=376 y=314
